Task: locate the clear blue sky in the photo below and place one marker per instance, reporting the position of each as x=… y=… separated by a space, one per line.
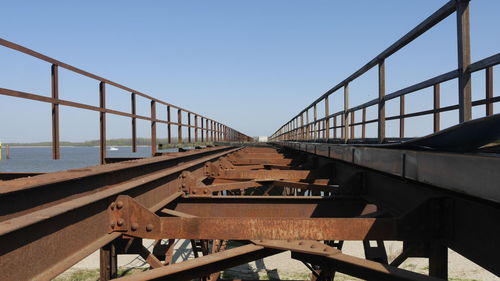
x=249 y=64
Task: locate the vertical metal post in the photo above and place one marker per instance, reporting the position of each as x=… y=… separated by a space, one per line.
x=363 y=126
x=206 y=130
x=335 y=127
x=179 y=126
x=169 y=132
x=302 y=126
x=196 y=128
x=212 y=130
x=352 y=125
x=438 y=261
x=464 y=76
x=56 y=153
x=437 y=101
x=153 y=128
x=102 y=122
x=401 y=119
x=134 y=123
x=346 y=113
x=201 y=131
x=108 y=262
x=381 y=101
x=189 y=127
x=489 y=90
x=327 y=121
x=307 y=125
x=315 y=126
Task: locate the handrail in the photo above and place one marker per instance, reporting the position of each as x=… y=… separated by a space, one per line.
x=209 y=129
x=319 y=128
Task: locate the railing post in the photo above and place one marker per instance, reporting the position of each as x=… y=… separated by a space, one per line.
x=206 y=131
x=363 y=126
x=153 y=128
x=315 y=126
x=401 y=119
x=196 y=128
x=179 y=126
x=327 y=120
x=212 y=129
x=464 y=76
x=352 y=125
x=381 y=101
x=189 y=127
x=437 y=101
x=335 y=127
x=307 y=125
x=489 y=91
x=302 y=126
x=134 y=123
x=346 y=113
x=201 y=131
x=169 y=132
x=56 y=153
x=102 y=122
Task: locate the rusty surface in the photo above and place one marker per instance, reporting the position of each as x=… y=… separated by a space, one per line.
x=306 y=195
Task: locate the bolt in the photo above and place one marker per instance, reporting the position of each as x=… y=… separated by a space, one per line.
x=205 y=191
x=113 y=223
x=112 y=206
x=134 y=226
x=313 y=246
x=325 y=250
x=194 y=192
x=301 y=243
x=183 y=185
x=149 y=227
x=119 y=204
x=183 y=176
x=121 y=221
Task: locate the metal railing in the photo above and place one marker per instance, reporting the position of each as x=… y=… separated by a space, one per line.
x=319 y=129
x=204 y=128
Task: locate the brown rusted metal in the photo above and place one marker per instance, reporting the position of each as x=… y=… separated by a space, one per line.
x=56 y=154
x=102 y=122
x=303 y=191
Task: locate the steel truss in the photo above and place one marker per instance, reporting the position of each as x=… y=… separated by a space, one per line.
x=268 y=200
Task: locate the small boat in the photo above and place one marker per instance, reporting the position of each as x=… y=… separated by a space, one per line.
x=113 y=148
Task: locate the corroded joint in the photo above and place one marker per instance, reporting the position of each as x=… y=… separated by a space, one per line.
x=131 y=218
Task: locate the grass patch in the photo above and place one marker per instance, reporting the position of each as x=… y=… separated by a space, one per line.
x=93 y=274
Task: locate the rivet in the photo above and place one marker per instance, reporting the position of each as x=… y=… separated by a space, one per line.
x=149 y=227
x=301 y=243
x=183 y=185
x=112 y=206
x=183 y=176
x=113 y=223
x=119 y=204
x=134 y=226
x=205 y=191
x=313 y=246
x=325 y=250
x=121 y=221
x=194 y=192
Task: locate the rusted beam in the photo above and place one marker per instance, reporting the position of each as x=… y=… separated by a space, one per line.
x=265 y=174
x=56 y=153
x=52 y=215
x=204 y=265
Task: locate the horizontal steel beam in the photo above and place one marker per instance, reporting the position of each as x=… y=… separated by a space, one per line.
x=471 y=174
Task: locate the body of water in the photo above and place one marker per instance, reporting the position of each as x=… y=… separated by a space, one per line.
x=39 y=159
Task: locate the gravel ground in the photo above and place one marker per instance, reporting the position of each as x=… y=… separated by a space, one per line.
x=281 y=266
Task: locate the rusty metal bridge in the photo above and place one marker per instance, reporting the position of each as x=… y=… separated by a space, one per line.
x=318 y=182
